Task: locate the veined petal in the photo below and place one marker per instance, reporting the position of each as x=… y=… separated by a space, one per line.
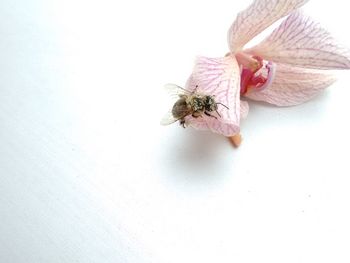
x=219 y=77
x=302 y=42
x=256 y=18
x=293 y=86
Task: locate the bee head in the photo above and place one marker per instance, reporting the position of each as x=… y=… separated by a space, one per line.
x=210 y=104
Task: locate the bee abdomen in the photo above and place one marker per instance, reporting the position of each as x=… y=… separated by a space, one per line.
x=180 y=108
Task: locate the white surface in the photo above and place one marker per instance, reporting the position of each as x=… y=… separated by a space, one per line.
x=88 y=175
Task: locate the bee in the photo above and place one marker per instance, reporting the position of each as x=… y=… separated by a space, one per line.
x=190 y=103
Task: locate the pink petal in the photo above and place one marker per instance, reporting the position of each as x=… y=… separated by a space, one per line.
x=302 y=42
x=256 y=18
x=292 y=86
x=219 y=77
x=244 y=109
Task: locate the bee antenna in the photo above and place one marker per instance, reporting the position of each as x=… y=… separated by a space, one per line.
x=195 y=89
x=218 y=103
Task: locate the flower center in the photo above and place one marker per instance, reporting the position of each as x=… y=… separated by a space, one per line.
x=256 y=73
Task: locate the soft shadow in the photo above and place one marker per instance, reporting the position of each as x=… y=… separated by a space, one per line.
x=196 y=154
x=264 y=116
x=188 y=154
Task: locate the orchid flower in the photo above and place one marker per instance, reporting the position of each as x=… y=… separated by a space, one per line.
x=285 y=69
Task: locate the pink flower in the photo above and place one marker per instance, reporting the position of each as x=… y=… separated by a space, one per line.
x=285 y=69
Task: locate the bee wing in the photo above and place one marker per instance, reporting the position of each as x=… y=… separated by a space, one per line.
x=175 y=91
x=168 y=118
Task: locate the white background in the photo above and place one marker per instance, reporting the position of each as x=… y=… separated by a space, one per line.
x=87 y=174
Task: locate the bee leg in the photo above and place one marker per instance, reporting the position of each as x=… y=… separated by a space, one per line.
x=208 y=114
x=218 y=113
x=182 y=123
x=196 y=115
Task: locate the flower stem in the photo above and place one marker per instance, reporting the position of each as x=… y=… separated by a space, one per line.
x=236 y=140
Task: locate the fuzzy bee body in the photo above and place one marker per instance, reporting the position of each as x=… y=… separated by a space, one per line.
x=181 y=108
x=190 y=104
